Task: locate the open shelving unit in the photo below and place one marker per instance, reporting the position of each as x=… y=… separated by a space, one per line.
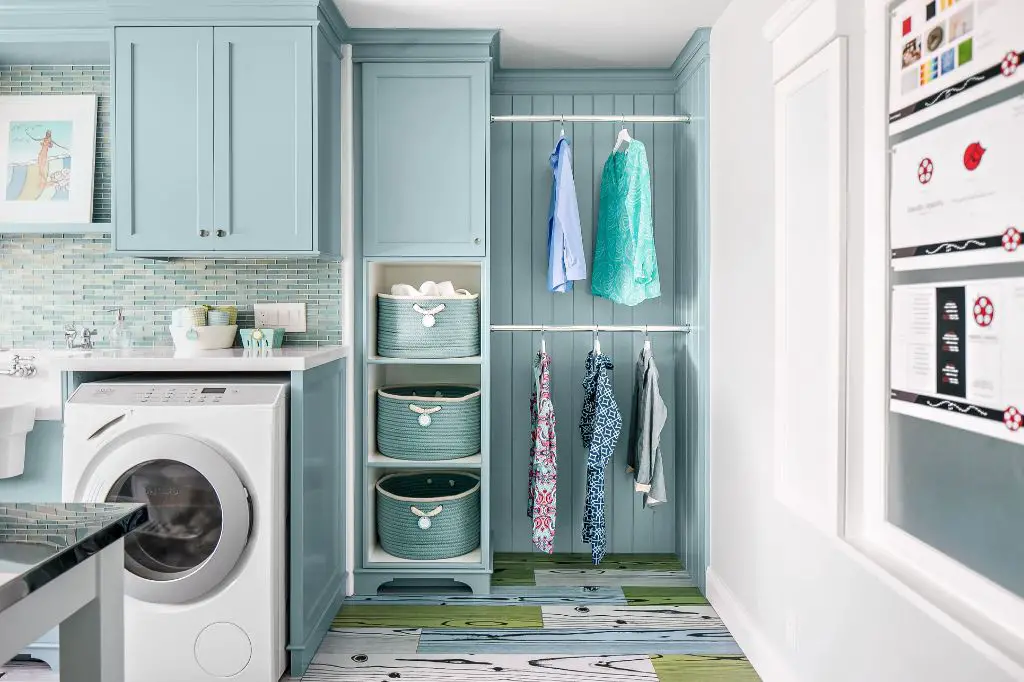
x=378 y=567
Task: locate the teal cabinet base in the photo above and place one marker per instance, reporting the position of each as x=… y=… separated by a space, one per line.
x=369 y=581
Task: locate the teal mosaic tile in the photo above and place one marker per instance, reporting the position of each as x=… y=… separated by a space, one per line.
x=49 y=281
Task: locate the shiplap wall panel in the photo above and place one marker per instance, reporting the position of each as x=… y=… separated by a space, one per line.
x=692 y=262
x=521 y=194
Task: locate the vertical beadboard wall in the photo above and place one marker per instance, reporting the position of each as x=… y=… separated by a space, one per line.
x=520 y=196
x=692 y=260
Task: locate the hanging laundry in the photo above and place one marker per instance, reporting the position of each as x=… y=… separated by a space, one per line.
x=600 y=425
x=543 y=469
x=566 y=260
x=625 y=260
x=649 y=417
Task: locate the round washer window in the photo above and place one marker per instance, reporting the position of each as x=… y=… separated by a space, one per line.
x=185 y=519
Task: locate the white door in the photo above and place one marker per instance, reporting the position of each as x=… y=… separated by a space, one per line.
x=198 y=507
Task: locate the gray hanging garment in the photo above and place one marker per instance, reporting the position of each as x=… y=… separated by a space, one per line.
x=649 y=417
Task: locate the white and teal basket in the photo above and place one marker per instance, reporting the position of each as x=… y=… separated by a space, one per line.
x=428 y=422
x=428 y=327
x=427 y=516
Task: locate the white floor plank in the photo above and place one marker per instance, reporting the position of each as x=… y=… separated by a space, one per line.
x=630 y=617
x=613 y=578
x=27 y=672
x=346 y=643
x=488 y=668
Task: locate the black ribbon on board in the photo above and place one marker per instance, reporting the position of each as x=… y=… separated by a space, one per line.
x=940 y=248
x=947 y=405
x=952 y=91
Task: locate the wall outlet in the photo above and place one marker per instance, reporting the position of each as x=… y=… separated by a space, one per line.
x=290 y=316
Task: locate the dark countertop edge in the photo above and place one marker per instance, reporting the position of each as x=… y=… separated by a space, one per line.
x=57 y=565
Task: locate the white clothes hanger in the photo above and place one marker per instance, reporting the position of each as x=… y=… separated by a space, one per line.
x=597 y=342
x=561 y=134
x=623 y=137
x=543 y=345
x=647 y=339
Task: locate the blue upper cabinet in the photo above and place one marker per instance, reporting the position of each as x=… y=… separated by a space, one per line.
x=216 y=137
x=424 y=161
x=163 y=108
x=263 y=139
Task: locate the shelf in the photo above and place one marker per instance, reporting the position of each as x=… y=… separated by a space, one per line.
x=378 y=556
x=55 y=228
x=378 y=360
x=379 y=461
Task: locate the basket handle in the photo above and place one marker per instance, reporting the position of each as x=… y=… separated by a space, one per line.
x=433 y=311
x=429 y=515
x=424 y=410
x=424 y=517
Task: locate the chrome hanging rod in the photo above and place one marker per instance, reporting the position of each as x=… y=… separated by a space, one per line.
x=553 y=118
x=652 y=328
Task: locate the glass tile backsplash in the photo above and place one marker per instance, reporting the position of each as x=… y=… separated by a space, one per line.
x=49 y=281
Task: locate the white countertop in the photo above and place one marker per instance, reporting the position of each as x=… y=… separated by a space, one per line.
x=167 y=359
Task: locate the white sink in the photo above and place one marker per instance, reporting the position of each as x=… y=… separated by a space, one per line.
x=43 y=390
x=16 y=420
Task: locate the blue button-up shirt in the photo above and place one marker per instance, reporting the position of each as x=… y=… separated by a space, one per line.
x=566 y=261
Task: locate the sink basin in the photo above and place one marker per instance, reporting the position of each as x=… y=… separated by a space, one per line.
x=16 y=420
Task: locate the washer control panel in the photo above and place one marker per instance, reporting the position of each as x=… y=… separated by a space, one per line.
x=176 y=394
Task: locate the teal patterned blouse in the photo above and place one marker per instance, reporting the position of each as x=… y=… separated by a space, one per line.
x=625 y=261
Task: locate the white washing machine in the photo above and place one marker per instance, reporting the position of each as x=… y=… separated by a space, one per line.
x=205 y=580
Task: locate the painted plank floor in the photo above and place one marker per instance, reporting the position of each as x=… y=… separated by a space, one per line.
x=557 y=618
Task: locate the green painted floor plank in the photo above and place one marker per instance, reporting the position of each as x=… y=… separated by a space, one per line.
x=703 y=668
x=511 y=576
x=477 y=617
x=663 y=596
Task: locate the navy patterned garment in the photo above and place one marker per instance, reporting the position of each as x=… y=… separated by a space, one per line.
x=600 y=424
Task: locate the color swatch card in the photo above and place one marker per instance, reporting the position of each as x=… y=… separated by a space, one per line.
x=956 y=192
x=946 y=53
x=956 y=355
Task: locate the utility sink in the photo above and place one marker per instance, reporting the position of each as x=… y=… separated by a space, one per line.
x=16 y=420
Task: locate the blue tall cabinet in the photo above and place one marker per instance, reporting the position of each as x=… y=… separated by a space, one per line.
x=226 y=140
x=423 y=112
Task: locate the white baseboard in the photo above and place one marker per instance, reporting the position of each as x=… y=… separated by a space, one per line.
x=769 y=663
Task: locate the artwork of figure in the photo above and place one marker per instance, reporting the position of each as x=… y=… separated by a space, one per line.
x=39 y=163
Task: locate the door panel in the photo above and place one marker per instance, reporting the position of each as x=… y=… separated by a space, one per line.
x=264 y=139
x=424 y=159
x=163 y=132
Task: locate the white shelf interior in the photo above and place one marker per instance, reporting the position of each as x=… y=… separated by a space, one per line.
x=379 y=556
x=379 y=460
x=381 y=275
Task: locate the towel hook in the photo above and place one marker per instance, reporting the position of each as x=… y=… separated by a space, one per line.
x=561 y=122
x=597 y=340
x=543 y=344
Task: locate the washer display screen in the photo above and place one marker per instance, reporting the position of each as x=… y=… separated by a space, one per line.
x=213 y=390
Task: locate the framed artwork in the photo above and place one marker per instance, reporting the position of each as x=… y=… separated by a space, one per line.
x=48 y=153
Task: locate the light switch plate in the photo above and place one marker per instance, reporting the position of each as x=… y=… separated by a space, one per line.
x=290 y=316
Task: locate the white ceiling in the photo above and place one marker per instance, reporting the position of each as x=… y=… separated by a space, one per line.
x=555 y=33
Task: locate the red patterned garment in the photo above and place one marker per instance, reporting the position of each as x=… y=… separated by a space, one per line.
x=543 y=469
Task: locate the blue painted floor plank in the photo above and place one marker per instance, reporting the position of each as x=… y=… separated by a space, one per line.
x=506 y=596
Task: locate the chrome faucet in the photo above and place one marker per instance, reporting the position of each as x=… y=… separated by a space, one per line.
x=70 y=334
x=20 y=367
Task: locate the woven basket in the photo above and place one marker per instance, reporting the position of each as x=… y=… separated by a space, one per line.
x=428 y=422
x=428 y=515
x=428 y=327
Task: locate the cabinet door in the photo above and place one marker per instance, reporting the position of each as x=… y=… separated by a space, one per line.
x=424 y=159
x=163 y=139
x=264 y=139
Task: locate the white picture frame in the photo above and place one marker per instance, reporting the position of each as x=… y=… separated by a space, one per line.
x=48 y=154
x=810 y=288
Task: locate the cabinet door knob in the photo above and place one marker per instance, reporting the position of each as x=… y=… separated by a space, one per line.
x=222 y=233
x=204 y=233
x=477 y=240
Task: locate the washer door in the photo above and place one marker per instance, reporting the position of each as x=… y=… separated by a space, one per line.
x=198 y=508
